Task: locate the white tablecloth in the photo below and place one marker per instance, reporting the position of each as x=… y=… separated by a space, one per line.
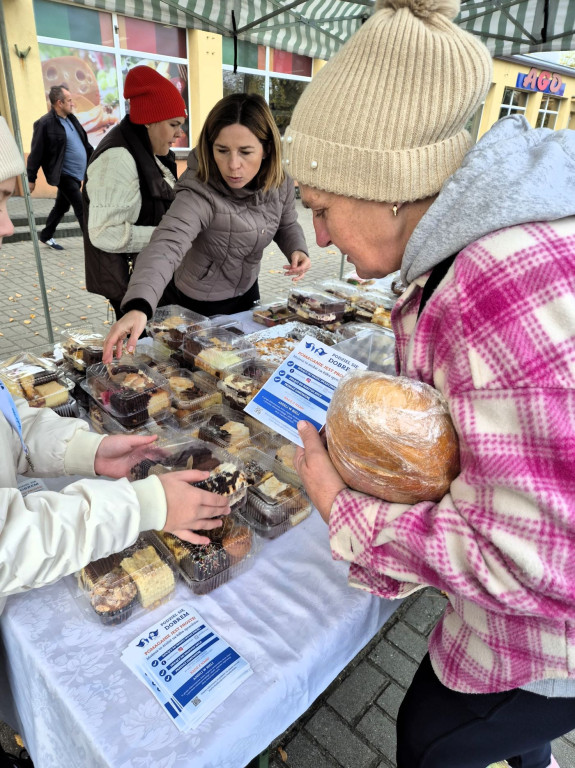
x=292 y=616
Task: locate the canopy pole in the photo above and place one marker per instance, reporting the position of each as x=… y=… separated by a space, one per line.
x=235 y=29
x=24 y=177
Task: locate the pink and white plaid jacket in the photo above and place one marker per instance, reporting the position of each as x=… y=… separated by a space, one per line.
x=497 y=338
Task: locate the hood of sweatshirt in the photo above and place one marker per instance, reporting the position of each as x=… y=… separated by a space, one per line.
x=513 y=175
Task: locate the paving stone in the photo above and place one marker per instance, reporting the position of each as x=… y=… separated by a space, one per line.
x=393 y=663
x=357 y=691
x=408 y=640
x=563 y=752
x=391 y=699
x=379 y=730
x=426 y=610
x=339 y=740
x=303 y=753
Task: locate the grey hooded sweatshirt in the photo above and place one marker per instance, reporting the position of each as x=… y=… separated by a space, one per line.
x=513 y=175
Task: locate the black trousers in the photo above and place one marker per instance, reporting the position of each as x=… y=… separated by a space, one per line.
x=441 y=728
x=69 y=194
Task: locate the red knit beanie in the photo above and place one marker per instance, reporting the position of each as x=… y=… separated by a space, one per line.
x=153 y=97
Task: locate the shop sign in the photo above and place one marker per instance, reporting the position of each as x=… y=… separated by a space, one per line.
x=546 y=82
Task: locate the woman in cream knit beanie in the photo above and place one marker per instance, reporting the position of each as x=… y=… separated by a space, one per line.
x=11 y=165
x=484 y=236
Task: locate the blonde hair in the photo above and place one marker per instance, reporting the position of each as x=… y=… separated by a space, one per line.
x=253 y=112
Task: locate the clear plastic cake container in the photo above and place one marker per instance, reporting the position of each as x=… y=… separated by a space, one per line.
x=130 y=392
x=192 y=390
x=38 y=381
x=276 y=499
x=213 y=349
x=231 y=552
x=104 y=423
x=178 y=452
x=155 y=355
x=341 y=289
x=222 y=426
x=375 y=348
x=275 y=312
x=114 y=589
x=83 y=346
x=369 y=302
x=242 y=381
x=170 y=323
x=225 y=321
x=315 y=307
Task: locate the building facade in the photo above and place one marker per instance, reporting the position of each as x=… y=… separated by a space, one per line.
x=51 y=43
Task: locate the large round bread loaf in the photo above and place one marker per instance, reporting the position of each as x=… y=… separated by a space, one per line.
x=392 y=437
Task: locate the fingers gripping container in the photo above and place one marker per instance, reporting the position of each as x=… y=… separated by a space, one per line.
x=214 y=349
x=83 y=346
x=231 y=551
x=169 y=325
x=130 y=393
x=115 y=588
x=276 y=499
x=221 y=426
x=275 y=312
x=39 y=381
x=315 y=307
x=242 y=381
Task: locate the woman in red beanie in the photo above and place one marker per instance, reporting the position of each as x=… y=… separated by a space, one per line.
x=130 y=182
x=231 y=202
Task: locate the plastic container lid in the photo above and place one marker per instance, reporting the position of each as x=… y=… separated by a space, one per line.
x=105 y=424
x=316 y=307
x=221 y=426
x=83 y=346
x=115 y=588
x=276 y=499
x=242 y=381
x=214 y=349
x=129 y=392
x=376 y=349
x=225 y=321
x=170 y=323
x=192 y=390
x=274 y=312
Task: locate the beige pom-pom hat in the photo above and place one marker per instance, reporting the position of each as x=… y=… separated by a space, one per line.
x=385 y=118
x=11 y=163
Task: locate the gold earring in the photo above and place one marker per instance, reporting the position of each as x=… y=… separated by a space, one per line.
x=394 y=209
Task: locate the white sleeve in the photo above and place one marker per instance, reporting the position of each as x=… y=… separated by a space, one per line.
x=113 y=187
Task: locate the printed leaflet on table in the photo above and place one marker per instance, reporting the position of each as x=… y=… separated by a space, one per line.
x=188 y=667
x=301 y=388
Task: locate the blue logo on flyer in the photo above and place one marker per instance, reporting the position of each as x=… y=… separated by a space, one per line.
x=315 y=349
x=143 y=642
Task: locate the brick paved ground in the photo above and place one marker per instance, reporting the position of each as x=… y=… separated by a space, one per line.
x=352 y=724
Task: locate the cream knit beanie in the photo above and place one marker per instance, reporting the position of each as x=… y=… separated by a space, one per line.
x=384 y=118
x=11 y=163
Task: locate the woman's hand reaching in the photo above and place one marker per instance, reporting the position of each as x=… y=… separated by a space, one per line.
x=191 y=508
x=300 y=263
x=117 y=454
x=130 y=326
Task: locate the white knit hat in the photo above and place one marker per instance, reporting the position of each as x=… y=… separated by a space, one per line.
x=11 y=163
x=385 y=118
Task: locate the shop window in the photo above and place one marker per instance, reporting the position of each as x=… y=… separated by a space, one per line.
x=242 y=82
x=250 y=55
x=284 y=95
x=290 y=63
x=548 y=112
x=514 y=102
x=68 y=22
x=147 y=37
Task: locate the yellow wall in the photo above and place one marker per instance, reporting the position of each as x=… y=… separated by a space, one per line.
x=205 y=73
x=26 y=73
x=505 y=76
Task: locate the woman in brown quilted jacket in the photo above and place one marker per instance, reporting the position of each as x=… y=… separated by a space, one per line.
x=231 y=202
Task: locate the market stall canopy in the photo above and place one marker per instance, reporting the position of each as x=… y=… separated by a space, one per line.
x=318 y=27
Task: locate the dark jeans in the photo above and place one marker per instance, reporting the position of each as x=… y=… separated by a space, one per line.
x=210 y=308
x=69 y=194
x=441 y=728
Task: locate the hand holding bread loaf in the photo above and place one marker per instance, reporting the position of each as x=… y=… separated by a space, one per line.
x=392 y=437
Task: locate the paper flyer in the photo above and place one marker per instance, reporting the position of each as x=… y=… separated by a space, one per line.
x=301 y=388
x=188 y=667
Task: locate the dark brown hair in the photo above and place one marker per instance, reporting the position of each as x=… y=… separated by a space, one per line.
x=57 y=93
x=253 y=112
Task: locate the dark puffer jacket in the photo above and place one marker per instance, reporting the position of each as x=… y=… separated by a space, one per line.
x=212 y=240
